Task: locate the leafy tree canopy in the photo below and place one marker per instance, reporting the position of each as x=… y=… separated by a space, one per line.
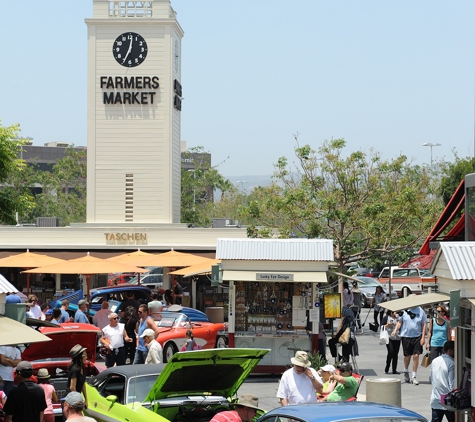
x=453 y=173
x=368 y=206
x=11 y=200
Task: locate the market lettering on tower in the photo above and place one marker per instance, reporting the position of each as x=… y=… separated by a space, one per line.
x=132 y=83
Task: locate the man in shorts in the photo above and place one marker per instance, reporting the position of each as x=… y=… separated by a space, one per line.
x=412 y=329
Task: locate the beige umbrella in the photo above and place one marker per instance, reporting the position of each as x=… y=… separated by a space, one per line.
x=174 y=259
x=28 y=260
x=87 y=265
x=14 y=332
x=132 y=258
x=202 y=268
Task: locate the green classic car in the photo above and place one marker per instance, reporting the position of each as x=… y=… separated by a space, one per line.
x=191 y=387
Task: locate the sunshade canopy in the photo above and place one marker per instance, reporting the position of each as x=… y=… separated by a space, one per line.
x=87 y=265
x=174 y=259
x=414 y=300
x=132 y=258
x=28 y=260
x=14 y=332
x=202 y=268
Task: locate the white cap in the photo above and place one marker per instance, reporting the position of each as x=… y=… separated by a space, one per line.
x=148 y=333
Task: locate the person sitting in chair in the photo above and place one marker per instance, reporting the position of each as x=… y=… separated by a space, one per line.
x=346 y=386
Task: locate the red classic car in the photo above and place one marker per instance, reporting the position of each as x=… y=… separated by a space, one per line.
x=173 y=327
x=54 y=355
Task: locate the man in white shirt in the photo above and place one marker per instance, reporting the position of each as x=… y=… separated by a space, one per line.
x=300 y=383
x=155 y=351
x=113 y=336
x=101 y=318
x=10 y=357
x=35 y=309
x=442 y=378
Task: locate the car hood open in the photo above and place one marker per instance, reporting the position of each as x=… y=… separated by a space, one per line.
x=217 y=372
x=64 y=337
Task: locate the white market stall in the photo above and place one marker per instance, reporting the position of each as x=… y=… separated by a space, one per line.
x=273 y=294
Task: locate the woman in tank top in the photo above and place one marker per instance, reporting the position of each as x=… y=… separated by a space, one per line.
x=439 y=333
x=145 y=322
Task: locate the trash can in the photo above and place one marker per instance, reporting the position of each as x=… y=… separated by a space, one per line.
x=215 y=313
x=384 y=390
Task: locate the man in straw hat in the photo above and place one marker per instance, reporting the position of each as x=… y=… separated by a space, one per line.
x=246 y=409
x=300 y=383
x=72 y=408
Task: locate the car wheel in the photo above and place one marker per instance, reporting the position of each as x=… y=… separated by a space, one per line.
x=406 y=291
x=168 y=352
x=221 y=342
x=363 y=301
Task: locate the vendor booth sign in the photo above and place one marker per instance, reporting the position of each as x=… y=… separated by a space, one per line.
x=332 y=305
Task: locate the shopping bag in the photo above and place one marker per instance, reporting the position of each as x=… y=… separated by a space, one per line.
x=426 y=360
x=383 y=336
x=345 y=336
x=374 y=327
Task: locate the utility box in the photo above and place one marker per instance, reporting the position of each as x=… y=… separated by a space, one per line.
x=48 y=222
x=16 y=311
x=220 y=223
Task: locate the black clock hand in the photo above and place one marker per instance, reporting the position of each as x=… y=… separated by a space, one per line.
x=129 y=50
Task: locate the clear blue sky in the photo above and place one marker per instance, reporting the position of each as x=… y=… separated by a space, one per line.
x=387 y=75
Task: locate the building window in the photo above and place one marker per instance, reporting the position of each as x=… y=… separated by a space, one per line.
x=130 y=9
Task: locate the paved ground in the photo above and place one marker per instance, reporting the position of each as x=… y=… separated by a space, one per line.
x=371 y=362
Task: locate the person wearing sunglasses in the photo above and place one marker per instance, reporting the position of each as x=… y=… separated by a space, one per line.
x=439 y=333
x=145 y=322
x=113 y=336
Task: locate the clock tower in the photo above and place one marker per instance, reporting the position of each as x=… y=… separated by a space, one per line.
x=134 y=113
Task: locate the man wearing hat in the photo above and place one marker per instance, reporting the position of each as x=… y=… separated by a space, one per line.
x=27 y=401
x=346 y=386
x=49 y=315
x=246 y=409
x=80 y=315
x=300 y=383
x=155 y=351
x=72 y=408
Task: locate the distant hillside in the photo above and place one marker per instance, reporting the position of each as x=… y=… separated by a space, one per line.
x=248 y=183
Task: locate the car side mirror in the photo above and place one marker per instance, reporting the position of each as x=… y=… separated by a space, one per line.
x=112 y=399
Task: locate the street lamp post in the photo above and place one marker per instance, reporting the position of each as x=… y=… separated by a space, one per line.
x=431 y=145
x=242 y=184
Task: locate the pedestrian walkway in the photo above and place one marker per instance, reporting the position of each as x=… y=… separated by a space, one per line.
x=371 y=363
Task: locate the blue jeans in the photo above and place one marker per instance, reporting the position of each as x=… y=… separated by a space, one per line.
x=438 y=415
x=140 y=356
x=6 y=387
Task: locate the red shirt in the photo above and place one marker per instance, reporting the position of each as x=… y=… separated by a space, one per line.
x=226 y=416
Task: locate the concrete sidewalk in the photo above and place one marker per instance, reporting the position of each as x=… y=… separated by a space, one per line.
x=371 y=362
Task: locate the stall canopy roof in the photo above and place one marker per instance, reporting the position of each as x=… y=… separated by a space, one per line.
x=275 y=249
x=414 y=300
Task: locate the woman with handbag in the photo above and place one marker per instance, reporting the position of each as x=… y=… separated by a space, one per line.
x=343 y=334
x=439 y=333
x=394 y=344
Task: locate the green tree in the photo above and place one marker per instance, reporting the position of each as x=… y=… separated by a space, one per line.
x=13 y=198
x=368 y=206
x=198 y=187
x=452 y=174
x=63 y=189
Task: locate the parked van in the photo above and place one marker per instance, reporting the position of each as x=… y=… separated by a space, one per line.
x=406 y=281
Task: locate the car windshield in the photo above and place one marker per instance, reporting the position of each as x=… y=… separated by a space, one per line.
x=369 y=283
x=139 y=387
x=169 y=319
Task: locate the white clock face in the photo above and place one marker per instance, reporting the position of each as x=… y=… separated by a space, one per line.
x=129 y=49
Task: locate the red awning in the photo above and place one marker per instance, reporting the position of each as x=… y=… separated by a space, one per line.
x=422 y=262
x=450 y=213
